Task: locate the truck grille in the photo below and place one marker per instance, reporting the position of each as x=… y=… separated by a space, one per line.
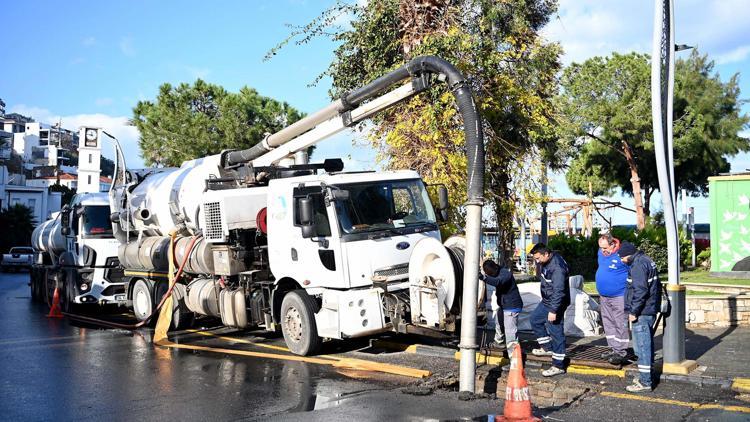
x=213 y=230
x=393 y=271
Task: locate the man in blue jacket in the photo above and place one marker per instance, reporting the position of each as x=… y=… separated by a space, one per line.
x=547 y=320
x=510 y=302
x=611 y=280
x=642 y=302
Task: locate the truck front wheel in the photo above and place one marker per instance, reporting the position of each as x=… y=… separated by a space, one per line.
x=298 y=323
x=143 y=302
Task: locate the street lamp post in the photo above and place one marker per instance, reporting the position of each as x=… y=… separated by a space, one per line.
x=662 y=90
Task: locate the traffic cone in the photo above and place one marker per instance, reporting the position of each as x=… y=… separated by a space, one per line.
x=54 y=311
x=517 y=398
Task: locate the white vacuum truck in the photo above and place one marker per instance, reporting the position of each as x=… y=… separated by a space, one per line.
x=316 y=251
x=76 y=251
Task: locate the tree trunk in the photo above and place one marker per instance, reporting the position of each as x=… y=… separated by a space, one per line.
x=636 y=181
x=504 y=211
x=647 y=192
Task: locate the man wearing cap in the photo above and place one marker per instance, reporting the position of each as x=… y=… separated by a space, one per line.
x=611 y=281
x=642 y=302
x=547 y=320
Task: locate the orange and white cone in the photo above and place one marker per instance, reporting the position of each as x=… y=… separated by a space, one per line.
x=54 y=311
x=517 y=398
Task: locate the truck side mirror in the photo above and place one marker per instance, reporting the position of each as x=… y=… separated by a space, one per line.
x=443 y=204
x=305 y=211
x=65 y=222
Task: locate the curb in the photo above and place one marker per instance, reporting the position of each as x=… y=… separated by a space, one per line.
x=741 y=385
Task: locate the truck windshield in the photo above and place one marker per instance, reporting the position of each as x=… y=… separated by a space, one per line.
x=384 y=205
x=96 y=221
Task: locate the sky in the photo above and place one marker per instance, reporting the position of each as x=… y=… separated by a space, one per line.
x=89 y=63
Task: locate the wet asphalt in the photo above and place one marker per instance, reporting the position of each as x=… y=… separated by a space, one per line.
x=60 y=370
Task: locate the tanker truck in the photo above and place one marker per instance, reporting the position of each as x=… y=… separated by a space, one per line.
x=268 y=240
x=76 y=251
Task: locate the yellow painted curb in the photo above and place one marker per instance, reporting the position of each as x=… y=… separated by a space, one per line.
x=591 y=370
x=682 y=368
x=486 y=359
x=741 y=385
x=675 y=287
x=740 y=409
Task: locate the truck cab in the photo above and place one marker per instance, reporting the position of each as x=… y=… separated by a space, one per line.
x=91 y=250
x=339 y=235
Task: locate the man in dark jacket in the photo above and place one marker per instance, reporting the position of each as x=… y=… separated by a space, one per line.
x=547 y=320
x=642 y=302
x=509 y=301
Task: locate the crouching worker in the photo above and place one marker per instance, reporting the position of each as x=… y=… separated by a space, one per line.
x=547 y=320
x=510 y=302
x=642 y=302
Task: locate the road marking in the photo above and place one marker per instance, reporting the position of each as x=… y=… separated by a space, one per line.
x=335 y=361
x=591 y=370
x=741 y=385
x=740 y=409
x=238 y=340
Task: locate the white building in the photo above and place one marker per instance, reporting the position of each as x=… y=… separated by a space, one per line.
x=43 y=145
x=39 y=199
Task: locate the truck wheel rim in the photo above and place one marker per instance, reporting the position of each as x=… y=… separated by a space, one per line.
x=293 y=324
x=142 y=303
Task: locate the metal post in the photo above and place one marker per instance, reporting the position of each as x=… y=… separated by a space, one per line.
x=662 y=88
x=543 y=237
x=691 y=230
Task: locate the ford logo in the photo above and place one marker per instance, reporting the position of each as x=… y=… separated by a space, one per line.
x=402 y=245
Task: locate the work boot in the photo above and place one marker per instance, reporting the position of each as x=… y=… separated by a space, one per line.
x=552 y=371
x=637 y=387
x=541 y=352
x=495 y=345
x=617 y=360
x=608 y=354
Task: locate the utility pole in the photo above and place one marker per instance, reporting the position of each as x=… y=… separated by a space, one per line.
x=543 y=236
x=662 y=90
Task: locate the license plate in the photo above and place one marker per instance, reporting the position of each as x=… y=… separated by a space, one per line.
x=119 y=297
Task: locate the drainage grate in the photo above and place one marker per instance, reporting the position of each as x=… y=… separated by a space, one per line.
x=580 y=354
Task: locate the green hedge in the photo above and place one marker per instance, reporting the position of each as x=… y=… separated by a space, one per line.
x=580 y=252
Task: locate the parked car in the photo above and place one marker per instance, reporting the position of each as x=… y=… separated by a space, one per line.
x=17 y=258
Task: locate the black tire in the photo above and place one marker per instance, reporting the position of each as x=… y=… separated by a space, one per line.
x=143 y=299
x=32 y=283
x=67 y=296
x=298 y=323
x=182 y=317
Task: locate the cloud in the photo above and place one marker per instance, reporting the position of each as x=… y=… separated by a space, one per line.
x=126 y=46
x=116 y=125
x=103 y=101
x=197 y=72
x=737 y=55
x=76 y=61
x=88 y=41
x=588 y=28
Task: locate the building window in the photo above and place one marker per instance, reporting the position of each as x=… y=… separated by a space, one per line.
x=32 y=204
x=91 y=158
x=89 y=179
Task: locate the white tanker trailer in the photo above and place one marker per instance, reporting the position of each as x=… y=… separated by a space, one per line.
x=318 y=252
x=76 y=251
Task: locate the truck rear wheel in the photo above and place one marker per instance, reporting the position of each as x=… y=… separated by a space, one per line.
x=298 y=323
x=181 y=315
x=67 y=292
x=143 y=299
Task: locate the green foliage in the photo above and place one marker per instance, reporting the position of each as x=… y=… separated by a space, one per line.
x=191 y=121
x=17 y=222
x=606 y=104
x=510 y=67
x=581 y=253
x=704 y=258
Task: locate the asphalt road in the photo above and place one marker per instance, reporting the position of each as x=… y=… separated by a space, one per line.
x=57 y=370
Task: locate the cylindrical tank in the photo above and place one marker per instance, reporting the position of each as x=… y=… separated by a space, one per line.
x=47 y=237
x=152 y=254
x=203 y=297
x=163 y=200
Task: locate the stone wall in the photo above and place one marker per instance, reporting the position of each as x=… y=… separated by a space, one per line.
x=726 y=311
